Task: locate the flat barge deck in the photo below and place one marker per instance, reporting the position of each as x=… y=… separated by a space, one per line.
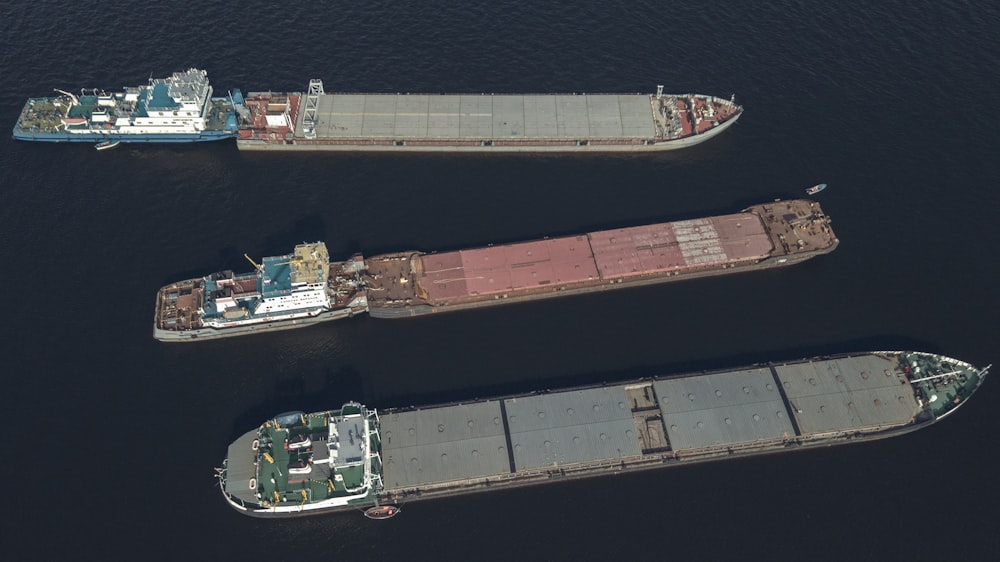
x=481 y=122
x=773 y=234
x=512 y=441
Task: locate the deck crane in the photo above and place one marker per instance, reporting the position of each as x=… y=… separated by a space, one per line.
x=253 y=263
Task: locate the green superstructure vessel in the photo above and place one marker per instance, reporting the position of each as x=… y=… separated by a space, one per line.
x=299 y=463
x=355 y=458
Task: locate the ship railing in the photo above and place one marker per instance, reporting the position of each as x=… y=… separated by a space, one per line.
x=525 y=477
x=732 y=447
x=787 y=440
x=938 y=376
x=531 y=474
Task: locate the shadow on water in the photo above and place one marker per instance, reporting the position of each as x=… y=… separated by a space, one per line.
x=341 y=384
x=731 y=208
x=667 y=370
x=346 y=383
x=307 y=228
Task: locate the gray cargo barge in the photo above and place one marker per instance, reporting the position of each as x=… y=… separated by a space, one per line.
x=434 y=451
x=477 y=122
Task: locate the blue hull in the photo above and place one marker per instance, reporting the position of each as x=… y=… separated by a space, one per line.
x=43 y=125
x=99 y=137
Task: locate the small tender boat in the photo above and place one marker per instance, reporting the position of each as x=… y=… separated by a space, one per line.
x=381 y=511
x=816 y=189
x=104 y=145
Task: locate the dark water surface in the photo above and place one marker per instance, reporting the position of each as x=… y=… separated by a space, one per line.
x=113 y=436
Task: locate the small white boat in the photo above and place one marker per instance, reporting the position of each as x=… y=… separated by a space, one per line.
x=381 y=512
x=104 y=145
x=816 y=189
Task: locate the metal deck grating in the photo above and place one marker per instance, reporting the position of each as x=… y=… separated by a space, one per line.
x=722 y=409
x=442 y=444
x=846 y=394
x=562 y=428
x=480 y=116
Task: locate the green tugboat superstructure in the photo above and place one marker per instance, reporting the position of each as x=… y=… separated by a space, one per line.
x=297 y=463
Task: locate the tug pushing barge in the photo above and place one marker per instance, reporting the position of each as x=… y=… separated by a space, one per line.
x=305 y=288
x=181 y=109
x=300 y=464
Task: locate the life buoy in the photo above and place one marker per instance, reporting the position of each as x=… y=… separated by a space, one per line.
x=255 y=445
x=253 y=483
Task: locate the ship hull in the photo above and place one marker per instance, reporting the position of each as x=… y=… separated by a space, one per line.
x=358 y=504
x=770 y=393
x=546 y=437
x=622 y=467
x=95 y=137
x=201 y=334
x=377 y=311
x=299 y=464
x=761 y=237
x=413 y=283
x=286 y=292
x=177 y=109
x=475 y=146
x=346 y=122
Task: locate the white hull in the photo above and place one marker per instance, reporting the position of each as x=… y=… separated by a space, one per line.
x=318 y=146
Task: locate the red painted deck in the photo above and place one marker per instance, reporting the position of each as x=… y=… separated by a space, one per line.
x=501 y=269
x=191 y=300
x=685 y=123
x=603 y=255
x=264 y=105
x=245 y=285
x=676 y=246
x=706 y=115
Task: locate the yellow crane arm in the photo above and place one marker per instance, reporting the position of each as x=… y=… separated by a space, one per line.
x=255 y=265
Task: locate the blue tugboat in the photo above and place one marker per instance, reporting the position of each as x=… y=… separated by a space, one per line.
x=175 y=109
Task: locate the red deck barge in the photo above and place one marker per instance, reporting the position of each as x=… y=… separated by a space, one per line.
x=270 y=117
x=769 y=235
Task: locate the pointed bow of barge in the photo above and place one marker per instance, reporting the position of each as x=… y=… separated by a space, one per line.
x=940 y=384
